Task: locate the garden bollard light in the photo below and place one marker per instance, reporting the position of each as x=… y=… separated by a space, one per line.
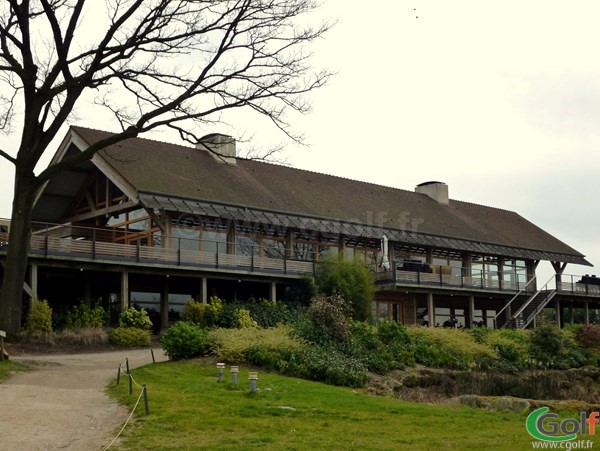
x=234 y=374
x=220 y=369
x=252 y=377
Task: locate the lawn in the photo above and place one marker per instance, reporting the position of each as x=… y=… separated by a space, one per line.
x=190 y=410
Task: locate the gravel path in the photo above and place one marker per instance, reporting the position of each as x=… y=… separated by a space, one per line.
x=61 y=403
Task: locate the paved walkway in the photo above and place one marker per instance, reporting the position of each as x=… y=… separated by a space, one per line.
x=61 y=403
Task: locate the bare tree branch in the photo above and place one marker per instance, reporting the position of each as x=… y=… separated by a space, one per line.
x=178 y=64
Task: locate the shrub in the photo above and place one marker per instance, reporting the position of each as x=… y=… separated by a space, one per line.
x=129 y=337
x=184 y=340
x=243 y=320
x=328 y=365
x=131 y=317
x=449 y=348
x=327 y=316
x=193 y=312
x=352 y=280
x=513 y=354
x=553 y=347
x=589 y=336
x=39 y=318
x=232 y=345
x=480 y=334
x=82 y=317
x=366 y=347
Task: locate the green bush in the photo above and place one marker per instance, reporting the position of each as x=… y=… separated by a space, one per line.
x=39 y=318
x=352 y=280
x=213 y=312
x=129 y=337
x=82 y=317
x=366 y=347
x=480 y=334
x=265 y=313
x=193 y=312
x=397 y=342
x=327 y=365
x=328 y=320
x=184 y=340
x=449 y=348
x=243 y=320
x=232 y=345
x=131 y=317
x=553 y=347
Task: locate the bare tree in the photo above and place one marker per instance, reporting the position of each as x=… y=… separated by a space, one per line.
x=151 y=63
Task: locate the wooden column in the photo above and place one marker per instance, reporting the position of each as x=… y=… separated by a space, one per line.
x=124 y=290
x=557 y=310
x=431 y=309
x=586 y=310
x=164 y=305
x=273 y=292
x=559 y=269
x=34 y=283
x=471 y=313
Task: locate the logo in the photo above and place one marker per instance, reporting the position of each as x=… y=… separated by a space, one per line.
x=547 y=426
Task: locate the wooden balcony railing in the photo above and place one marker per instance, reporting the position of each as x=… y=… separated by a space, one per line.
x=91 y=244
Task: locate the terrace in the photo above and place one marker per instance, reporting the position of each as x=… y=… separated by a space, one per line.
x=114 y=247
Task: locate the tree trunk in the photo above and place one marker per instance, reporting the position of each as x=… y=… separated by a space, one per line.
x=11 y=290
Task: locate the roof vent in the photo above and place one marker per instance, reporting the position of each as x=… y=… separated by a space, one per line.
x=438 y=191
x=221 y=147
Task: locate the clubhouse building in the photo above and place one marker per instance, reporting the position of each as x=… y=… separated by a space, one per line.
x=153 y=224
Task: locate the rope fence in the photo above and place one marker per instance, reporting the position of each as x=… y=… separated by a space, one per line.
x=143 y=393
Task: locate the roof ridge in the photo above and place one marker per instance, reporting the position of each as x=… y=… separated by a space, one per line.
x=75 y=127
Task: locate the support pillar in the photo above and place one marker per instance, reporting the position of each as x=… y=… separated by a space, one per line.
x=273 y=292
x=586 y=313
x=204 y=290
x=571 y=313
x=557 y=309
x=164 y=305
x=471 y=313
x=34 y=283
x=431 y=309
x=124 y=290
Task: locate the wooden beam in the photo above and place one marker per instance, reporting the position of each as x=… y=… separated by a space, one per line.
x=103 y=211
x=157 y=220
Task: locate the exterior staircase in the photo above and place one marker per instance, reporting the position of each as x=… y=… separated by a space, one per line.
x=531 y=308
x=524 y=312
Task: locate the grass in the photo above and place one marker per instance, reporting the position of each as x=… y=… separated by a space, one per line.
x=8 y=367
x=190 y=410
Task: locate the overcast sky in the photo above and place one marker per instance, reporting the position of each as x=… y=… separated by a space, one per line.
x=499 y=99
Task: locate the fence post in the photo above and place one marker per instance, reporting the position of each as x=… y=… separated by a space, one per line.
x=145 y=390
x=152 y=352
x=119 y=374
x=130 y=384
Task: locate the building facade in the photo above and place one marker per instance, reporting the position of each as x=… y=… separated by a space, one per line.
x=154 y=224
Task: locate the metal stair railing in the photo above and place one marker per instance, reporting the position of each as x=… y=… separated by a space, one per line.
x=532 y=314
x=519 y=320
x=509 y=303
